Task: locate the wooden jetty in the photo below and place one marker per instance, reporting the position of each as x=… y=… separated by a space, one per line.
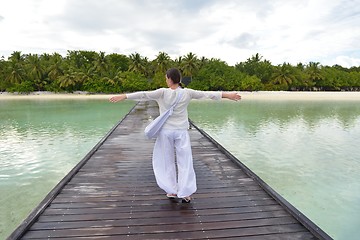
x=112 y=194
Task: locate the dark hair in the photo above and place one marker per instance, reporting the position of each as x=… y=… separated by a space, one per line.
x=174 y=74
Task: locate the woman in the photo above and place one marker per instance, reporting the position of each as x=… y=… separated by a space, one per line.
x=173 y=138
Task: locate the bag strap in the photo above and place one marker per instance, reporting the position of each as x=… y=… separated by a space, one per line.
x=178 y=98
x=171 y=109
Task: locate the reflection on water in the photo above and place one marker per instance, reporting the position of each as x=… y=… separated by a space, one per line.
x=307 y=151
x=41 y=141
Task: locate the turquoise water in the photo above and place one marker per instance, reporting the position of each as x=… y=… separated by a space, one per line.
x=40 y=142
x=307 y=151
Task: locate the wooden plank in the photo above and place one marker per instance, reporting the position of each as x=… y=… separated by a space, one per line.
x=162 y=233
x=189 y=235
x=175 y=211
x=241 y=227
x=114 y=195
x=160 y=221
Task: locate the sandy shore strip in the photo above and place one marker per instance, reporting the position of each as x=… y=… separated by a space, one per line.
x=261 y=95
x=301 y=96
x=50 y=95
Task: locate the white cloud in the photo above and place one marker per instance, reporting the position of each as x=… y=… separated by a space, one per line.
x=280 y=30
x=347 y=61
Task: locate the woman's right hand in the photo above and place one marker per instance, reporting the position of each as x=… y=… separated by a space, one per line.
x=117 y=98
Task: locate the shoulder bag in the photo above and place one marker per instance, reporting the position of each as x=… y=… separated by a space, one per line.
x=152 y=130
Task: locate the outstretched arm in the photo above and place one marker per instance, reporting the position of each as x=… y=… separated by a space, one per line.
x=139 y=96
x=231 y=95
x=118 y=98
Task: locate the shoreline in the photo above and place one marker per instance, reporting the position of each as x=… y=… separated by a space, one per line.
x=52 y=95
x=260 y=95
x=301 y=96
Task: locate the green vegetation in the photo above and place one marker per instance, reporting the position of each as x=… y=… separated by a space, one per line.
x=100 y=73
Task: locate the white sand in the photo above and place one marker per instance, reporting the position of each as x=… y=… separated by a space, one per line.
x=262 y=95
x=49 y=95
x=311 y=96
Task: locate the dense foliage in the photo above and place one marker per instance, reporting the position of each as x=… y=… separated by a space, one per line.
x=100 y=73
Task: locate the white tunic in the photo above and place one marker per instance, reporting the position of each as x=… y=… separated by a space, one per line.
x=166 y=97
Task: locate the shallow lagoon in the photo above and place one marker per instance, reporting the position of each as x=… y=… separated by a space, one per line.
x=306 y=150
x=40 y=142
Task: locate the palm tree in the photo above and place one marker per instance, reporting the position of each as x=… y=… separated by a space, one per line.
x=137 y=64
x=3 y=74
x=300 y=66
x=55 y=68
x=283 y=75
x=313 y=71
x=256 y=66
x=16 y=67
x=203 y=61
x=16 y=73
x=189 y=65
x=68 y=80
x=45 y=61
x=101 y=64
x=162 y=62
x=36 y=71
x=17 y=57
x=35 y=68
x=149 y=68
x=81 y=77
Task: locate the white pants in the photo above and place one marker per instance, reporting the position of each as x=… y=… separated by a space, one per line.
x=171 y=143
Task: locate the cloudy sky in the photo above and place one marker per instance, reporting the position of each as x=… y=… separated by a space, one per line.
x=325 y=31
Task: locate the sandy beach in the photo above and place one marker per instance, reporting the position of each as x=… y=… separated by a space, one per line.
x=50 y=95
x=261 y=95
x=310 y=96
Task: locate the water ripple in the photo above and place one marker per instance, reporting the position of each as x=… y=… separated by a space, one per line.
x=308 y=152
x=40 y=142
